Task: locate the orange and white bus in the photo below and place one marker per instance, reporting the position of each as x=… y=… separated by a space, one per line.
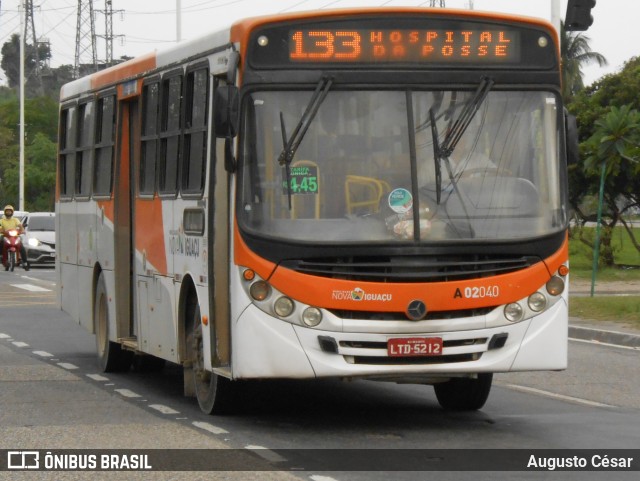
x=374 y=193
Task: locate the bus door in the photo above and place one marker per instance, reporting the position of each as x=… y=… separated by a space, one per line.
x=124 y=262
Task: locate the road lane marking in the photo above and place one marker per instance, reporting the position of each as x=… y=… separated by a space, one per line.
x=4 y=336
x=38 y=280
x=97 y=377
x=317 y=477
x=127 y=393
x=163 y=409
x=265 y=453
x=43 y=353
x=558 y=396
x=31 y=288
x=20 y=344
x=209 y=427
x=67 y=365
x=598 y=343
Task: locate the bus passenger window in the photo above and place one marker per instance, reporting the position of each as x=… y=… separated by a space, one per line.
x=67 y=151
x=85 y=132
x=149 y=139
x=195 y=134
x=170 y=135
x=105 y=129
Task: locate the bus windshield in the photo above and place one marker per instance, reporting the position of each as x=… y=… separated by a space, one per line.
x=369 y=167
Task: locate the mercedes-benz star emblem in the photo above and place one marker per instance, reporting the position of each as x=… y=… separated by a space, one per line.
x=417 y=310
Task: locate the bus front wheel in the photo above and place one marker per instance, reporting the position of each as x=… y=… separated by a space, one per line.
x=464 y=394
x=111 y=357
x=214 y=392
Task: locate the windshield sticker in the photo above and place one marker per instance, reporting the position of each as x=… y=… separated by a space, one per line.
x=302 y=180
x=400 y=201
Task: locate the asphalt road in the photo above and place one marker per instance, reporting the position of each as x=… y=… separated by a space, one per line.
x=53 y=397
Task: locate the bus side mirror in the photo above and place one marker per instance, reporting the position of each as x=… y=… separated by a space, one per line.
x=571 y=133
x=226 y=120
x=226 y=111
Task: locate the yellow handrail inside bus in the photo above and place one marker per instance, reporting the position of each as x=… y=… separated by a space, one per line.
x=361 y=191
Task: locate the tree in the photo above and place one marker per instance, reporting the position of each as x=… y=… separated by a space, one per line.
x=603 y=109
x=10 y=63
x=575 y=52
x=41 y=119
x=615 y=147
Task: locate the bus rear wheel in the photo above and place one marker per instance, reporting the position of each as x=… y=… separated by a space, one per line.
x=111 y=356
x=214 y=392
x=464 y=394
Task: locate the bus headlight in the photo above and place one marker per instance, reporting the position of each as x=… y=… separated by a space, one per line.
x=259 y=290
x=283 y=306
x=513 y=312
x=537 y=302
x=312 y=316
x=555 y=286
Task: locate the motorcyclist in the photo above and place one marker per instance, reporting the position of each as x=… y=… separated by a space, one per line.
x=7 y=223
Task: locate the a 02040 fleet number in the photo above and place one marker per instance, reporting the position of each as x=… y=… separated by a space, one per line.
x=477 y=292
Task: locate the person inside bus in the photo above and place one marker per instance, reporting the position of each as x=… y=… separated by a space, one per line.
x=7 y=223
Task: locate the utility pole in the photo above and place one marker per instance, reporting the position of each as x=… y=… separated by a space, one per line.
x=31 y=38
x=21 y=127
x=440 y=3
x=108 y=30
x=178 y=20
x=85 y=38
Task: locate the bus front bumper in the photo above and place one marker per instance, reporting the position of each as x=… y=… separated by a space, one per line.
x=266 y=347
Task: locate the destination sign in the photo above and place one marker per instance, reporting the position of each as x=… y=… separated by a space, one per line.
x=405 y=45
x=407 y=42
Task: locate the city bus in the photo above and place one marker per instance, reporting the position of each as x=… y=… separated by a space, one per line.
x=375 y=194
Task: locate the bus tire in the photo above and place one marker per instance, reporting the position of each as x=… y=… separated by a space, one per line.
x=214 y=392
x=111 y=356
x=464 y=394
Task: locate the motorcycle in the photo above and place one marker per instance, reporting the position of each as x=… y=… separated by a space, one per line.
x=11 y=252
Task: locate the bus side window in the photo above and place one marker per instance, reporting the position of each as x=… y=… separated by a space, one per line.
x=85 y=131
x=148 y=157
x=195 y=133
x=67 y=151
x=105 y=129
x=171 y=105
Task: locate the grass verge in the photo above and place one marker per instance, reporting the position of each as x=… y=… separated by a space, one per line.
x=607 y=308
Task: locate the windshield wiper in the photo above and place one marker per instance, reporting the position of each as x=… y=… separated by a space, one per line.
x=464 y=119
x=444 y=151
x=290 y=146
x=436 y=155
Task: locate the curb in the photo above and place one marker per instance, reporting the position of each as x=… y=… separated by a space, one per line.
x=607 y=337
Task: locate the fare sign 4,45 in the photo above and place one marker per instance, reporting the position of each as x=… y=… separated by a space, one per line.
x=414 y=346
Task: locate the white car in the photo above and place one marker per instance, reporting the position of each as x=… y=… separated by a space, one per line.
x=40 y=237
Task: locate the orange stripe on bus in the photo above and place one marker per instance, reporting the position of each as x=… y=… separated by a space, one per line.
x=124 y=70
x=149 y=235
x=243 y=256
x=108 y=208
x=395 y=297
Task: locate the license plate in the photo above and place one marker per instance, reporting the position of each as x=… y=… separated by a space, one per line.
x=414 y=346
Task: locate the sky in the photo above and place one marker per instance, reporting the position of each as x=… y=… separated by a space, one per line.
x=145 y=25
